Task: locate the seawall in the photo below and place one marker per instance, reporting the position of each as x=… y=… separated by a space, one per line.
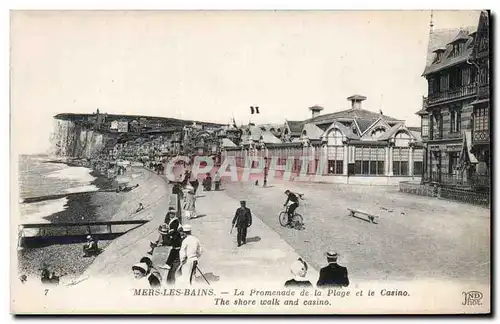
x=154 y=194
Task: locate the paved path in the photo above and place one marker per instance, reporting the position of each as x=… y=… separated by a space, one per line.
x=265 y=257
x=421 y=238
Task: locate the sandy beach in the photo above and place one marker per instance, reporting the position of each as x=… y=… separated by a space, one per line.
x=67 y=259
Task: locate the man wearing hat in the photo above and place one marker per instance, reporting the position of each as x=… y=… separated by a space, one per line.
x=333 y=275
x=189 y=254
x=163 y=238
x=175 y=241
x=169 y=214
x=90 y=248
x=242 y=220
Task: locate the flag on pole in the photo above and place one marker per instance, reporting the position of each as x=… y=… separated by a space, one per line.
x=254 y=110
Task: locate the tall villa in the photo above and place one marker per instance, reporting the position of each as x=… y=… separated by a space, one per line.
x=455 y=115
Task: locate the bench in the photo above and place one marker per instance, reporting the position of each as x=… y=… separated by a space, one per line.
x=367 y=216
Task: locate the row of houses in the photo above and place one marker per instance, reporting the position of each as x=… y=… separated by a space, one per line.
x=451 y=147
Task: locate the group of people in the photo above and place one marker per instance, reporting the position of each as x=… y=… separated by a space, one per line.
x=333 y=275
x=182 y=260
x=189 y=188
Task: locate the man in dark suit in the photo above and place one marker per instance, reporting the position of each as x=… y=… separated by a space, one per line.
x=333 y=275
x=242 y=220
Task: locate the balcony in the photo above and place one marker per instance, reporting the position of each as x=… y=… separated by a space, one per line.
x=483 y=91
x=480 y=137
x=452 y=94
x=454 y=135
x=436 y=136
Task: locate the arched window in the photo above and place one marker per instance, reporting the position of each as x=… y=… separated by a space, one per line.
x=286 y=131
x=335 y=138
x=402 y=139
x=304 y=132
x=378 y=131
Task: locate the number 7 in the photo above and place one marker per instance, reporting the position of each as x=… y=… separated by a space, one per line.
x=46 y=291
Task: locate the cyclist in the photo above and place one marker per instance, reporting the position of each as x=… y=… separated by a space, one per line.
x=295 y=203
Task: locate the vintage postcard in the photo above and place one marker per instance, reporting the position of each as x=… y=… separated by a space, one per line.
x=250 y=162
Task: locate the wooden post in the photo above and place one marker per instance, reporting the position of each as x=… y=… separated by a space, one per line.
x=179 y=210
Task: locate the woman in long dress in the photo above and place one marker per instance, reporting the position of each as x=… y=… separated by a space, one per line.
x=189 y=202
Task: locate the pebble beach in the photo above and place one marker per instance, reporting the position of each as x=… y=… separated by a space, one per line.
x=67 y=260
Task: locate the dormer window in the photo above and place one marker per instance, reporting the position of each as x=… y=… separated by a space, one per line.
x=439 y=55
x=458 y=48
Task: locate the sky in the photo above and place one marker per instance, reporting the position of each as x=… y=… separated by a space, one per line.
x=211 y=66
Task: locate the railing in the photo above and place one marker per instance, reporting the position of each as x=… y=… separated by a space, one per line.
x=466 y=196
x=451 y=179
x=436 y=135
x=454 y=134
x=451 y=94
x=481 y=136
x=417 y=189
x=43 y=234
x=103 y=227
x=459 y=180
x=480 y=180
x=483 y=91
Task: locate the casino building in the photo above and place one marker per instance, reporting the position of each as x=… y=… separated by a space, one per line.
x=356 y=146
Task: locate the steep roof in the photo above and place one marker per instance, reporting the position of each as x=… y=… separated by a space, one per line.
x=352 y=113
x=346 y=130
x=226 y=142
x=313 y=131
x=438 y=39
x=364 y=123
x=271 y=125
x=448 y=60
x=390 y=132
x=268 y=137
x=416 y=134
x=295 y=126
x=254 y=133
x=422 y=111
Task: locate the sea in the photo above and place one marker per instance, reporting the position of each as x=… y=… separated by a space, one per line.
x=41 y=175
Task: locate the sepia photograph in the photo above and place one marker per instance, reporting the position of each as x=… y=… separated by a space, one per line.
x=250 y=162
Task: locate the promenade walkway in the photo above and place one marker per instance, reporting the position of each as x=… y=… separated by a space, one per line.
x=265 y=258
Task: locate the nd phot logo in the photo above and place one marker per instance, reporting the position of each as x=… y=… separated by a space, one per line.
x=472 y=298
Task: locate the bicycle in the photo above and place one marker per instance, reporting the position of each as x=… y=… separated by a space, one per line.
x=297 y=221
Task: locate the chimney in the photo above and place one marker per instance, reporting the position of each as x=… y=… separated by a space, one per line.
x=315 y=110
x=356 y=101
